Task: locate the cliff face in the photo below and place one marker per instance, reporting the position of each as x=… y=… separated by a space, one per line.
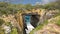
x=13 y=21
x=51 y=27
x=47 y=14
x=37 y=17
x=34 y=20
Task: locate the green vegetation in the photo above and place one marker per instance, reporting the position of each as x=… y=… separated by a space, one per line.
x=39 y=27
x=58 y=23
x=32 y=32
x=57 y=20
x=1 y=21
x=49 y=6
x=8 y=8
x=14 y=31
x=1 y=30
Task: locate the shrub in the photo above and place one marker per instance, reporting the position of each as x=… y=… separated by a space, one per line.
x=14 y=31
x=1 y=21
x=58 y=23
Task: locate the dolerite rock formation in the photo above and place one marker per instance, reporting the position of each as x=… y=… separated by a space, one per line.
x=34 y=20
x=12 y=20
x=51 y=27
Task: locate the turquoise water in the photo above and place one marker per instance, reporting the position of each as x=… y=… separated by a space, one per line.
x=29 y=26
x=27 y=19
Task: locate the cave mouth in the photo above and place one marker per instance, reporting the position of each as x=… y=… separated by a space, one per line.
x=30 y=21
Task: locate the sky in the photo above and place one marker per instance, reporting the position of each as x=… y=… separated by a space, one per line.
x=30 y=1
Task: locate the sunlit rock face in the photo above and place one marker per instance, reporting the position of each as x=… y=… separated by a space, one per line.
x=13 y=21
x=7 y=29
x=51 y=27
x=51 y=13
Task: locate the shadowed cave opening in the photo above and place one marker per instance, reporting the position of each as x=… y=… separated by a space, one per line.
x=30 y=22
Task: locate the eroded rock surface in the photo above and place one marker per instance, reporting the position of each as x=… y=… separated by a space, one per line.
x=51 y=27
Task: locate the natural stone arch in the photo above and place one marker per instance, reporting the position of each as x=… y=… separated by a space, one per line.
x=19 y=17
x=34 y=18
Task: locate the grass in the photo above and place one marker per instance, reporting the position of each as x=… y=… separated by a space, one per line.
x=39 y=27
x=14 y=31
x=58 y=23
x=32 y=32
x=1 y=30
x=57 y=15
x=1 y=21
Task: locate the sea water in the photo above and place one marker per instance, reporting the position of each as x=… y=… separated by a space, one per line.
x=29 y=26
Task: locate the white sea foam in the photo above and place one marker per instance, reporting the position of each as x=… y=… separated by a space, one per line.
x=30 y=28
